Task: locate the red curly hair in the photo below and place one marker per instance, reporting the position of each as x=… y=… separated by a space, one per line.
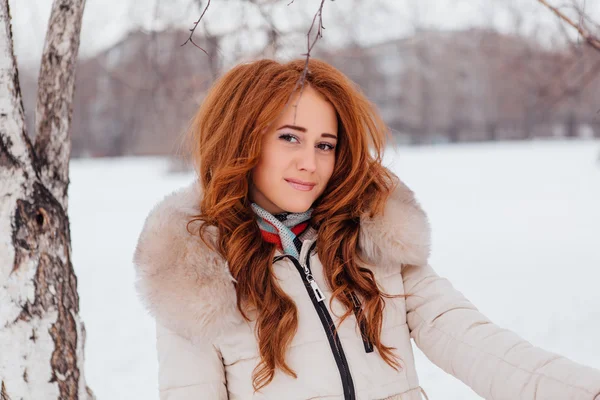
x=225 y=139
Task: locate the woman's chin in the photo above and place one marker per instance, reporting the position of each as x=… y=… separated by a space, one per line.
x=296 y=207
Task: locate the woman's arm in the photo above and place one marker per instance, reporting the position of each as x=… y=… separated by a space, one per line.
x=186 y=370
x=494 y=362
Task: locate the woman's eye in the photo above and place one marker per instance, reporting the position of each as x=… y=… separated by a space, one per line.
x=287 y=137
x=326 y=147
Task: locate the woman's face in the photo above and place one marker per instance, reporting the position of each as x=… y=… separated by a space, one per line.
x=301 y=150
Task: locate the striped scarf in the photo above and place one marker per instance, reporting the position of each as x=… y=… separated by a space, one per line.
x=282 y=229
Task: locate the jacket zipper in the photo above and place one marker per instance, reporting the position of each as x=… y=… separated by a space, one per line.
x=317 y=298
x=363 y=326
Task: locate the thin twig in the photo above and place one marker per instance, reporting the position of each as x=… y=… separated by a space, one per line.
x=191 y=39
x=302 y=79
x=318 y=18
x=589 y=38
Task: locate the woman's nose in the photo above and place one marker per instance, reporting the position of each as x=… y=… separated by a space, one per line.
x=307 y=159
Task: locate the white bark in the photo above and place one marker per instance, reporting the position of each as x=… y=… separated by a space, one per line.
x=41 y=334
x=55 y=96
x=12 y=120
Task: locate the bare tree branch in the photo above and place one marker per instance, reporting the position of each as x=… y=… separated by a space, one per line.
x=193 y=29
x=315 y=32
x=585 y=34
x=318 y=19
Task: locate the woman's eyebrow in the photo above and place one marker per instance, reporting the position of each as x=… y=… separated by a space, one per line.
x=295 y=127
x=303 y=129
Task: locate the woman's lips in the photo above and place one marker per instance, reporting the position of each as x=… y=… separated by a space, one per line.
x=298 y=186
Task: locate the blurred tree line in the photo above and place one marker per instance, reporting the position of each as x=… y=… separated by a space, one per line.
x=433 y=86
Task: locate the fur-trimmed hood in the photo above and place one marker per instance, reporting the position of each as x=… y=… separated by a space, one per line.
x=188 y=288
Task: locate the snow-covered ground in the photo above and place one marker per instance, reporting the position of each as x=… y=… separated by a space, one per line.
x=516 y=228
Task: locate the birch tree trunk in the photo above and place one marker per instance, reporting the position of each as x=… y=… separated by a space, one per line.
x=41 y=335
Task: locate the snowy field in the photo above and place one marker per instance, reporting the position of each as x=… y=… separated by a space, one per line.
x=516 y=228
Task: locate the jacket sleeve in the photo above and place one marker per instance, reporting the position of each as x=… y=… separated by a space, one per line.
x=186 y=370
x=494 y=362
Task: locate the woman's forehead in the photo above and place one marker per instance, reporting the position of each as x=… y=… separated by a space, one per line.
x=309 y=111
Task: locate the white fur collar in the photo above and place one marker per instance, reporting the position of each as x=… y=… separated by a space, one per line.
x=188 y=288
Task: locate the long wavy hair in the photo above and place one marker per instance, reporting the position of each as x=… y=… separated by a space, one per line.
x=225 y=138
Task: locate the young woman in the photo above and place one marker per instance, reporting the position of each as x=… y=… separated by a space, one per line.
x=295 y=267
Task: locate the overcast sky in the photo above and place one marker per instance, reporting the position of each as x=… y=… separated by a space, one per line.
x=106 y=21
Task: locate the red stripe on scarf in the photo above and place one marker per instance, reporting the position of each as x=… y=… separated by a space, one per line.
x=274 y=237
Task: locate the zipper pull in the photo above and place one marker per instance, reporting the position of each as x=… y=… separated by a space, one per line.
x=318 y=293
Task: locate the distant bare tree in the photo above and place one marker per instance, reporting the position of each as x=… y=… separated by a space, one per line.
x=583 y=68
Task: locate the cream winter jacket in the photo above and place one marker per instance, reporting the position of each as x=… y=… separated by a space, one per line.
x=206 y=350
